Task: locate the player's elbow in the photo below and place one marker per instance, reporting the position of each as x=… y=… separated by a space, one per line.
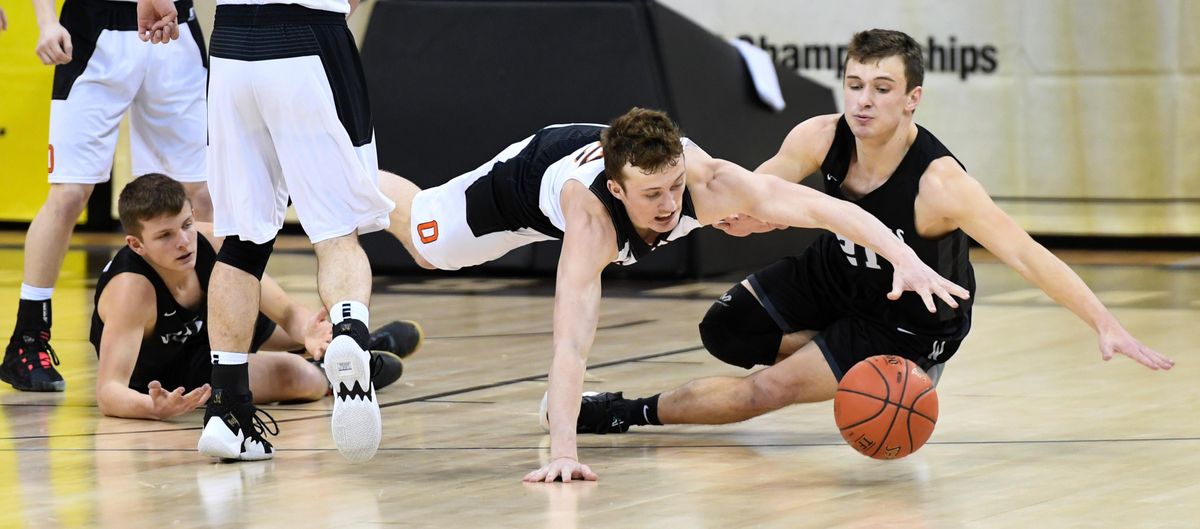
x=108 y=404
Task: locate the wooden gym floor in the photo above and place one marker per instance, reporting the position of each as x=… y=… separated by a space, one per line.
x=1035 y=430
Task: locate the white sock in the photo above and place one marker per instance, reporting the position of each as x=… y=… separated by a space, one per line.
x=227 y=358
x=349 y=309
x=33 y=293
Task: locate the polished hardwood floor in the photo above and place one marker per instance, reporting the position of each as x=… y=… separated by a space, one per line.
x=1034 y=431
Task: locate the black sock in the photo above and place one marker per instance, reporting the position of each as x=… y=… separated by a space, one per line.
x=356 y=329
x=231 y=379
x=642 y=412
x=32 y=316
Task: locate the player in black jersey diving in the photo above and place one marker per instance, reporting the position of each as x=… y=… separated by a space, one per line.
x=810 y=318
x=613 y=194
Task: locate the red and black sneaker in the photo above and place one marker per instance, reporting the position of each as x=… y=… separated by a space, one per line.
x=29 y=364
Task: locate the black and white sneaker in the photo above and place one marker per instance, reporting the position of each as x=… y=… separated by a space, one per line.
x=598 y=413
x=29 y=363
x=357 y=425
x=401 y=338
x=386 y=368
x=233 y=429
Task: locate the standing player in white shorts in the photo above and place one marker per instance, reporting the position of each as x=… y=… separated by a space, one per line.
x=288 y=117
x=102 y=71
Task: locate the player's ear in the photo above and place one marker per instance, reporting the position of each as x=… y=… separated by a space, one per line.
x=616 y=189
x=135 y=244
x=914 y=99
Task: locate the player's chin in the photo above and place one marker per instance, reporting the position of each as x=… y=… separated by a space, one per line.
x=665 y=224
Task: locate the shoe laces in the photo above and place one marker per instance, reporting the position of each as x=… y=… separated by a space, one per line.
x=40 y=344
x=376 y=365
x=259 y=426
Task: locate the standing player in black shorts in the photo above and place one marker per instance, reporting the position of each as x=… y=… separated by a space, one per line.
x=810 y=318
x=150 y=328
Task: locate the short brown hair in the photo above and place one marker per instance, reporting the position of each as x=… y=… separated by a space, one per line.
x=146 y=197
x=646 y=139
x=879 y=44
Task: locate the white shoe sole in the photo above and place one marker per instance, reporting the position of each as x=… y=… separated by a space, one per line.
x=356 y=425
x=217 y=441
x=544 y=409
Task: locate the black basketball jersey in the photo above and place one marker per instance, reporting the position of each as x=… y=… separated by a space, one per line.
x=519 y=192
x=860 y=277
x=178 y=331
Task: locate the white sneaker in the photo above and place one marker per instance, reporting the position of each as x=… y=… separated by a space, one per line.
x=230 y=435
x=357 y=425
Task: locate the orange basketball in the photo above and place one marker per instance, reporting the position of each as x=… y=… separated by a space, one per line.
x=886 y=407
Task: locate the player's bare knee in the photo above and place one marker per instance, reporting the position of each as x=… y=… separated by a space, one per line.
x=768 y=394
x=197 y=193
x=301 y=380
x=67 y=201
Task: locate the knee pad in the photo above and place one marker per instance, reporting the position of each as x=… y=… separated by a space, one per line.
x=738 y=331
x=246 y=256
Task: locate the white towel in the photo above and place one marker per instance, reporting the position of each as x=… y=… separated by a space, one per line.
x=762 y=72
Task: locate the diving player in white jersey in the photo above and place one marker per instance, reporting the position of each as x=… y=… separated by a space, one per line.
x=288 y=118
x=612 y=194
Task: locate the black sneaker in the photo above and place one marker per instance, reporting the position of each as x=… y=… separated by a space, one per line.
x=234 y=430
x=386 y=368
x=29 y=364
x=599 y=413
x=401 y=338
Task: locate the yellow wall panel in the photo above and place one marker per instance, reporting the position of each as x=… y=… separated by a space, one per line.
x=24 y=115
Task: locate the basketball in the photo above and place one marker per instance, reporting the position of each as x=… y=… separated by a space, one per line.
x=886 y=407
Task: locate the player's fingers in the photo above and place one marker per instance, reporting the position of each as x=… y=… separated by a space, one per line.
x=587 y=474
x=955 y=289
x=68 y=48
x=535 y=475
x=897 y=289
x=55 y=51
x=1154 y=359
x=928 y=299
x=946 y=297
x=155 y=387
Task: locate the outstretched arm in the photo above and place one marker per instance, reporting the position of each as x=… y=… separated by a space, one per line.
x=589 y=244
x=733 y=189
x=950 y=192
x=127 y=309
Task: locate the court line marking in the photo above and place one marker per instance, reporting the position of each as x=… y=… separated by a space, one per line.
x=638 y=446
x=424 y=398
